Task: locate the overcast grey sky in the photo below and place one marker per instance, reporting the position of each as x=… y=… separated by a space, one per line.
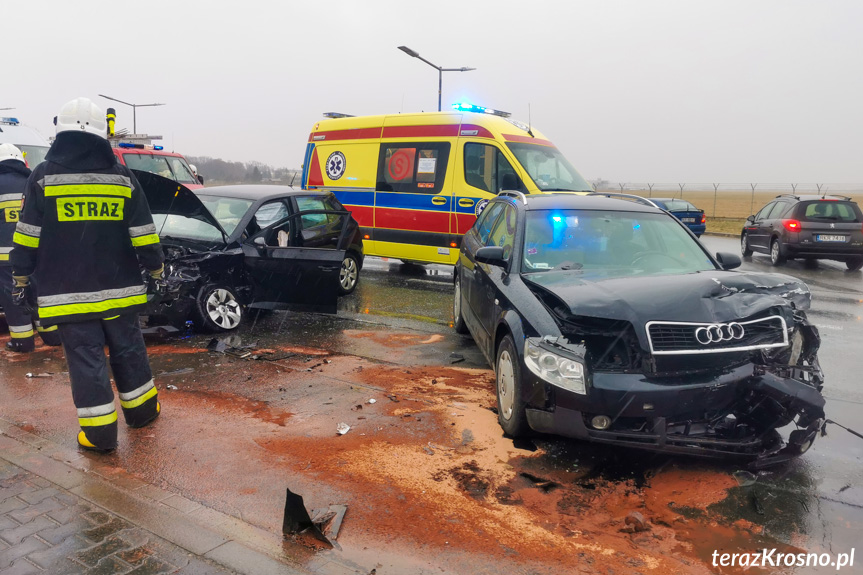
x=634 y=90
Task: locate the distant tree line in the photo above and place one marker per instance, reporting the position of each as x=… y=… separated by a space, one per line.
x=218 y=171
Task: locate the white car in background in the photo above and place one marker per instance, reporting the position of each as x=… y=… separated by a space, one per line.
x=29 y=141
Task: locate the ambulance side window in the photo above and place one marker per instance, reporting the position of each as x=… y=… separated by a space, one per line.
x=486 y=168
x=413 y=167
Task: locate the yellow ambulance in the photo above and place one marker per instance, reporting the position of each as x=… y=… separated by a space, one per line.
x=416 y=183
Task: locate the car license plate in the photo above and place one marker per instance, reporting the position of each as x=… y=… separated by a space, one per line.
x=688 y=220
x=823 y=238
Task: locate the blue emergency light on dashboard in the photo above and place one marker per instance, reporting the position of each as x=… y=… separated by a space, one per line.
x=465 y=107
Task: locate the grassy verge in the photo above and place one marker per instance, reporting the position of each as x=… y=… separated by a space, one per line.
x=725 y=226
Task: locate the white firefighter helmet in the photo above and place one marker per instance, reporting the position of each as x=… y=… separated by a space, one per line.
x=10 y=152
x=194 y=169
x=82 y=115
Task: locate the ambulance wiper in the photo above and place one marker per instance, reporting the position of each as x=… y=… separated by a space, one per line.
x=562 y=190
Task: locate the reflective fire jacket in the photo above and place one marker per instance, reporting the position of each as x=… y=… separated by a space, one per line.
x=84 y=228
x=13 y=180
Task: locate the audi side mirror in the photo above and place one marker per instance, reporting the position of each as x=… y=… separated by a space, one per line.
x=491 y=255
x=750 y=219
x=728 y=261
x=259 y=241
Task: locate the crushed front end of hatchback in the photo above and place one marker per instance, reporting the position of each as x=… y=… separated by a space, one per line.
x=710 y=364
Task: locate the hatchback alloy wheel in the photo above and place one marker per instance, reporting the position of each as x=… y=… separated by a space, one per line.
x=348 y=275
x=223 y=309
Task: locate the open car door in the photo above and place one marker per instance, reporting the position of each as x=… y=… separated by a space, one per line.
x=287 y=275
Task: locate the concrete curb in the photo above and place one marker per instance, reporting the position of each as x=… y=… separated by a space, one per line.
x=721 y=234
x=200 y=530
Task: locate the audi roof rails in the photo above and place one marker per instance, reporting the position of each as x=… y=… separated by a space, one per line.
x=796 y=197
x=630 y=197
x=514 y=194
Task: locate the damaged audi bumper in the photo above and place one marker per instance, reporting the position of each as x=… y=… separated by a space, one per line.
x=733 y=413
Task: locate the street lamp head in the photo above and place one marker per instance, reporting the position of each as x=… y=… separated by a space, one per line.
x=409 y=52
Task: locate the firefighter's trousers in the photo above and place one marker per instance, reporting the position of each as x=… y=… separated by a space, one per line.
x=20 y=322
x=84 y=343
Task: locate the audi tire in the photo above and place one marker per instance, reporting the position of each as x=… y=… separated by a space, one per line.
x=457 y=306
x=510 y=404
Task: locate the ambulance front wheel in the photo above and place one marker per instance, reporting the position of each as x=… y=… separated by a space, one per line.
x=349 y=275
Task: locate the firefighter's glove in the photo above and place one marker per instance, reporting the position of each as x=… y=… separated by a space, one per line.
x=22 y=294
x=158 y=285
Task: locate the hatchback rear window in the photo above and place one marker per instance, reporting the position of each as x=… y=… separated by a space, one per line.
x=831 y=211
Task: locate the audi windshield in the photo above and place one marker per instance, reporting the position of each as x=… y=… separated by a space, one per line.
x=548 y=168
x=601 y=244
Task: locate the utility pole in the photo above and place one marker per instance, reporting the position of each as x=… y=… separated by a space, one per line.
x=440 y=71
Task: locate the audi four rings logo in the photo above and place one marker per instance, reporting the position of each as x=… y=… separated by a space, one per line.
x=719 y=332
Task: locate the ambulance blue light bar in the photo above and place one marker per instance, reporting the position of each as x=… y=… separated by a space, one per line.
x=465 y=107
x=11 y=121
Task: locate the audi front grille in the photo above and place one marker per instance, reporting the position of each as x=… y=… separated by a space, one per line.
x=686 y=338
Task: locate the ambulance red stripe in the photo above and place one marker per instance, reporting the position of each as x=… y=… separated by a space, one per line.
x=416 y=220
x=356 y=134
x=527 y=140
x=432 y=131
x=364 y=215
x=480 y=131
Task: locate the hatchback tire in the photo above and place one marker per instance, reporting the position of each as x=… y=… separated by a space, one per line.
x=349 y=274
x=217 y=309
x=777 y=258
x=510 y=404
x=744 y=246
x=854 y=264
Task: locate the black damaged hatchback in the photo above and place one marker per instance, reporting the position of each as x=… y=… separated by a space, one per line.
x=231 y=248
x=606 y=320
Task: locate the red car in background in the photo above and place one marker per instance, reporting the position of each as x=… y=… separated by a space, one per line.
x=153 y=159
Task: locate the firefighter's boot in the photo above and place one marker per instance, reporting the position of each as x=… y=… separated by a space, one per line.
x=98 y=428
x=21 y=345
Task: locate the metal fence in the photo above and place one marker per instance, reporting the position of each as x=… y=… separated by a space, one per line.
x=729 y=200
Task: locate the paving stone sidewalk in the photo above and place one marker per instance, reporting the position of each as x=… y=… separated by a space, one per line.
x=45 y=529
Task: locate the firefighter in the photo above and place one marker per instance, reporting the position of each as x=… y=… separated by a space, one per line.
x=83 y=230
x=13 y=180
x=195 y=173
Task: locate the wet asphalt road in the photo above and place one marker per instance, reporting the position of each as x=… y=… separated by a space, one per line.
x=822 y=491
x=813 y=502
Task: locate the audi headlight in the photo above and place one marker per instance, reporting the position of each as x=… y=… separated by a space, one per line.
x=555 y=368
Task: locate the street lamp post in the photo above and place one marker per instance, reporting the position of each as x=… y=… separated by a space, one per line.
x=134 y=110
x=440 y=71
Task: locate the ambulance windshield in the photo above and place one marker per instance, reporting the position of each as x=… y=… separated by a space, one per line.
x=548 y=169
